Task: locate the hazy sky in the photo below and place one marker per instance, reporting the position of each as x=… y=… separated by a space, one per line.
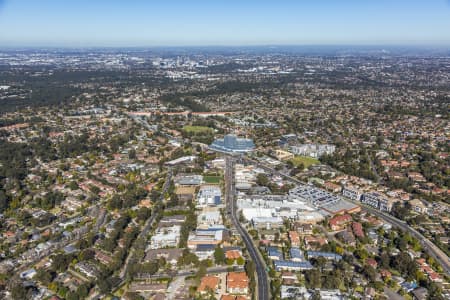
x=223 y=22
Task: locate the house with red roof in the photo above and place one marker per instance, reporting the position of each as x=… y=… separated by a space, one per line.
x=372 y=262
x=357 y=229
x=338 y=222
x=237 y=283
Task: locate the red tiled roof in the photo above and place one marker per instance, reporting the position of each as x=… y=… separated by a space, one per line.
x=357 y=229
x=340 y=220
x=208 y=283
x=237 y=280
x=232 y=254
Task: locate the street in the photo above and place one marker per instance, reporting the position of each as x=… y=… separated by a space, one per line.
x=262 y=283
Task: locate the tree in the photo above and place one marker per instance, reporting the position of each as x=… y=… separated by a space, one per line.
x=83 y=291
x=3 y=201
x=275 y=285
x=86 y=254
x=250 y=268
x=316 y=296
x=73 y=185
x=143 y=213
x=369 y=272
x=18 y=292
x=61 y=262
x=361 y=253
x=132 y=154
x=240 y=261
x=404 y=264
x=44 y=276
x=201 y=272
x=104 y=285
x=150 y=267
x=320 y=262
x=400 y=210
x=134 y=296
x=72 y=296
x=219 y=256
x=385 y=260
x=313 y=278
x=262 y=180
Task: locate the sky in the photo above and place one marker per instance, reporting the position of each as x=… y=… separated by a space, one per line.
x=134 y=23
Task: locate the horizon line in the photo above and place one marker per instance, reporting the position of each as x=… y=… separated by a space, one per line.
x=262 y=45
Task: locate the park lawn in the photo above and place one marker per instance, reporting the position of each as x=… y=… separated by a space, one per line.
x=212 y=179
x=305 y=160
x=197 y=129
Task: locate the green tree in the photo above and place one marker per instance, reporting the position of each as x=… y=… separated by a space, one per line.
x=219 y=256
x=313 y=278
x=240 y=261
x=132 y=154
x=316 y=296
x=201 y=272
x=369 y=272
x=262 y=180
x=44 y=276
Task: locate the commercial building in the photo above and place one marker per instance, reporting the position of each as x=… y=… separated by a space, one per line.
x=267 y=222
x=209 y=217
x=313 y=150
x=352 y=193
x=284 y=206
x=209 y=195
x=211 y=236
x=166 y=237
x=378 y=201
x=188 y=180
x=181 y=160
x=231 y=143
x=372 y=199
x=387 y=203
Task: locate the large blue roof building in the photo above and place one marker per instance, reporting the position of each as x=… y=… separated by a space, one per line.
x=231 y=143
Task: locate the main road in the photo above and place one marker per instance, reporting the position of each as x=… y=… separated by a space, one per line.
x=262 y=284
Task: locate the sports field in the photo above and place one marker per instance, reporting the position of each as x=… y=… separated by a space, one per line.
x=305 y=160
x=197 y=129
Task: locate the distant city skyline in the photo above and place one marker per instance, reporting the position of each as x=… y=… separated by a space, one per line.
x=139 y=23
